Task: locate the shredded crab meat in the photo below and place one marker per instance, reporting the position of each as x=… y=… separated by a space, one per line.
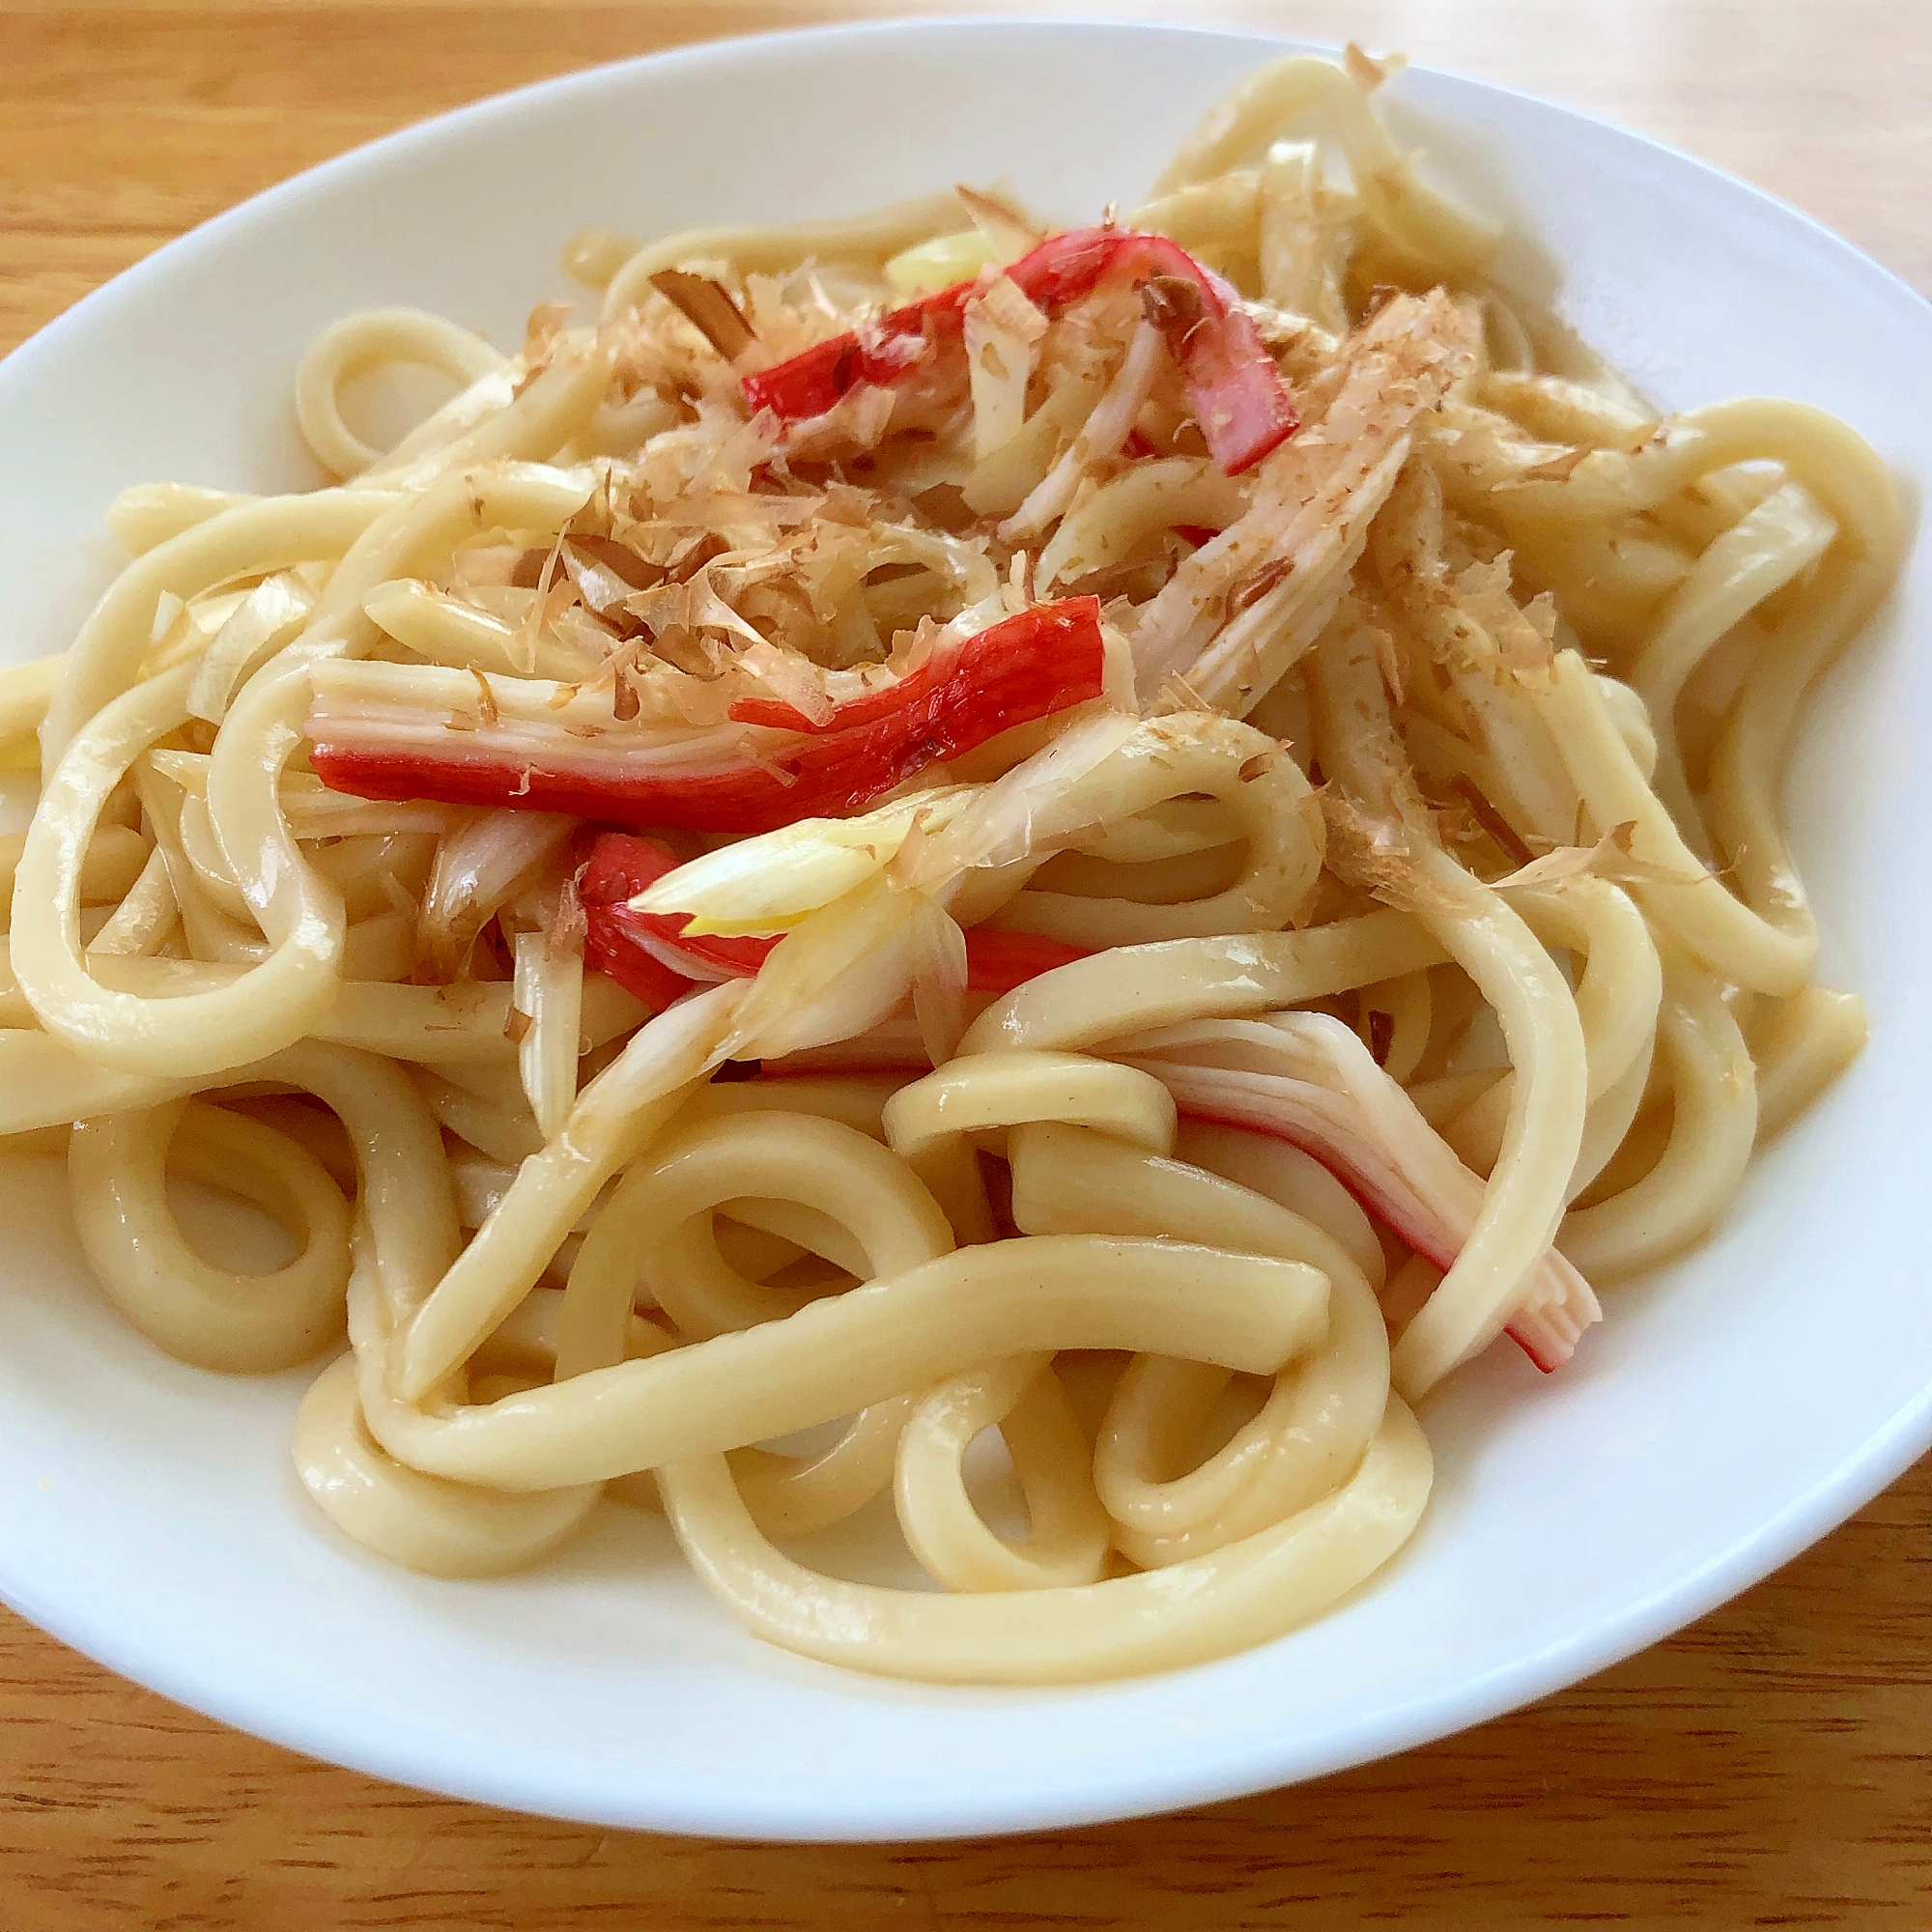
x=1002 y=331
x=1238 y=611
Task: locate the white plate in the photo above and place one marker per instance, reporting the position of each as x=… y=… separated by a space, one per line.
x=1728 y=1412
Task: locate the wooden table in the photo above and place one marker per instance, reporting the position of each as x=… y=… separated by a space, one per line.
x=1767 y=1767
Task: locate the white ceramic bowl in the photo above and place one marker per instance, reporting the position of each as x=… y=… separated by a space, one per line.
x=1728 y=1412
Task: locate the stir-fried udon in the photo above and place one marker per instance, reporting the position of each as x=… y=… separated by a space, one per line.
x=1134 y=840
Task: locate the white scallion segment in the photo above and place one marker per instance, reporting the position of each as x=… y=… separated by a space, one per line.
x=549 y=989
x=770 y=882
x=265 y=620
x=929 y=266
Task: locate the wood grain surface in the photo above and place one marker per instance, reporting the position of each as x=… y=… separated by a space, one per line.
x=1765 y=1767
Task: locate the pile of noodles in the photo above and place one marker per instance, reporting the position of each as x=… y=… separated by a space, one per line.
x=926 y=827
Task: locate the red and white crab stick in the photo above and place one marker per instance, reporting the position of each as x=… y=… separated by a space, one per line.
x=1235 y=391
x=379 y=730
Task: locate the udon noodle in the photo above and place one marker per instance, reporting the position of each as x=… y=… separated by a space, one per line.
x=1140 y=840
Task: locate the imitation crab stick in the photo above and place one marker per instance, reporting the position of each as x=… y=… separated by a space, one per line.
x=1236 y=390
x=1306 y=1079
x=415 y=731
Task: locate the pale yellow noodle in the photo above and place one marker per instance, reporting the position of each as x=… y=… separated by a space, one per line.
x=359 y=342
